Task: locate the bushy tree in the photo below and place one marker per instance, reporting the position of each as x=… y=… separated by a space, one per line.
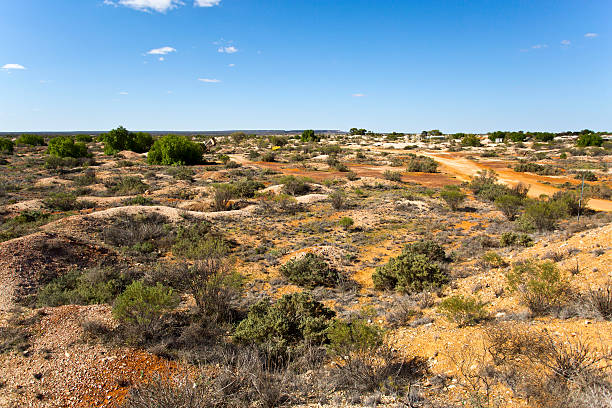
x=65 y=146
x=471 y=140
x=121 y=139
x=310 y=136
x=31 y=139
x=589 y=139
x=6 y=145
x=175 y=150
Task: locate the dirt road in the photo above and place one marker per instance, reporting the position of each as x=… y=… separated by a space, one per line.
x=464 y=169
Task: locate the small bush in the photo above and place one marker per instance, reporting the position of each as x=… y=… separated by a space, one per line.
x=62 y=202
x=463 y=310
x=421 y=164
x=283 y=327
x=126 y=185
x=175 y=150
x=601 y=300
x=494 y=260
x=295 y=186
x=268 y=157
x=30 y=139
x=542 y=215
x=86 y=179
x=83 y=138
x=338 y=200
x=541 y=286
x=453 y=196
x=354 y=336
x=510 y=205
x=392 y=175
x=310 y=271
x=198 y=241
x=6 y=145
x=222 y=196
x=419 y=267
x=142 y=307
x=346 y=222
x=64 y=146
x=515 y=239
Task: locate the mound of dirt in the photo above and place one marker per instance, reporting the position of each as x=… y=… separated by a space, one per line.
x=33 y=260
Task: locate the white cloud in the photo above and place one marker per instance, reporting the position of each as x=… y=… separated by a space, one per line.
x=160 y=6
x=566 y=42
x=123 y=93
x=358 y=95
x=591 y=35
x=161 y=51
x=228 y=50
x=162 y=59
x=539 y=46
x=12 y=66
x=231 y=65
x=206 y=3
x=209 y=80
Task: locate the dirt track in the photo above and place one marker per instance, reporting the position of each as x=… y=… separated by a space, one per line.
x=464 y=169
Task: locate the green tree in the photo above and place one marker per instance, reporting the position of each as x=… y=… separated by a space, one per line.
x=590 y=139
x=6 y=145
x=310 y=136
x=175 y=150
x=65 y=146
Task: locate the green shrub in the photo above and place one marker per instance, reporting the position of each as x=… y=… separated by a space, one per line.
x=586 y=175
x=543 y=215
x=310 y=271
x=122 y=139
x=55 y=162
x=247 y=188
x=471 y=140
x=310 y=136
x=485 y=186
x=463 y=310
x=126 y=185
x=590 y=139
x=419 y=267
x=354 y=336
x=510 y=205
x=83 y=138
x=175 y=150
x=93 y=286
x=268 y=157
x=198 y=241
x=284 y=326
x=295 y=186
x=142 y=306
x=541 y=286
x=346 y=222
x=493 y=259
x=64 y=146
x=62 y=202
x=30 y=139
x=512 y=239
x=6 y=145
x=392 y=175
x=453 y=196
x=422 y=164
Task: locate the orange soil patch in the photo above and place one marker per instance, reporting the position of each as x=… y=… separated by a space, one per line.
x=117 y=375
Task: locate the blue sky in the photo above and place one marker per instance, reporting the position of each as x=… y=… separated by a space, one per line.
x=292 y=64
